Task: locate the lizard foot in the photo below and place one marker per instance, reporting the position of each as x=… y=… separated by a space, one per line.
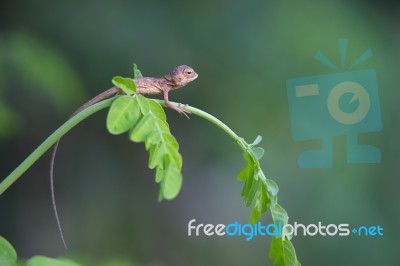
x=181 y=109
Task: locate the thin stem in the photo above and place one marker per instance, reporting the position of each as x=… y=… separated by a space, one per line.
x=240 y=141
x=243 y=145
x=73 y=121
x=50 y=141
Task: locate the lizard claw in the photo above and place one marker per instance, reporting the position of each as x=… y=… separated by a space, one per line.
x=181 y=110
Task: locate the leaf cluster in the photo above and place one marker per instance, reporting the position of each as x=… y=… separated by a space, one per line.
x=145 y=120
x=260 y=193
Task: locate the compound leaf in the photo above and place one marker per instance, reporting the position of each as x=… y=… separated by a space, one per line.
x=261 y=194
x=147 y=123
x=123 y=114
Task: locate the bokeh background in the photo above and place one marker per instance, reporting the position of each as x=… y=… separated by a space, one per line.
x=54 y=55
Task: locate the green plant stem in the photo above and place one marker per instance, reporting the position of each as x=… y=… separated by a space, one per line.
x=50 y=141
x=238 y=140
x=214 y=120
x=73 y=121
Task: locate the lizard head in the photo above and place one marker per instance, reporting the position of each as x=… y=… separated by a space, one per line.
x=182 y=75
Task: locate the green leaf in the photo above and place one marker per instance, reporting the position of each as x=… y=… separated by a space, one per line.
x=258 y=152
x=123 y=114
x=161 y=135
x=261 y=204
x=159 y=174
x=248 y=170
x=272 y=187
x=149 y=125
x=255 y=212
x=44 y=261
x=248 y=183
x=253 y=192
x=136 y=72
x=8 y=255
x=276 y=248
x=142 y=130
x=272 y=191
x=146 y=126
x=256 y=141
x=144 y=104
x=283 y=253
x=157 y=157
x=172 y=183
x=289 y=253
x=157 y=110
x=174 y=157
x=279 y=214
x=264 y=199
x=126 y=84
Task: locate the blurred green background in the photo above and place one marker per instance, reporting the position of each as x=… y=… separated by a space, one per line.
x=54 y=55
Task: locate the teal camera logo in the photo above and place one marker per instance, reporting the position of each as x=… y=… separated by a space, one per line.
x=339 y=104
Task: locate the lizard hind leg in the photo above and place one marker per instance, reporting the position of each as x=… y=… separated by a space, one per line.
x=179 y=109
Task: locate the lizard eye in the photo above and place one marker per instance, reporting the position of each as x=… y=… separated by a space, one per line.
x=189 y=72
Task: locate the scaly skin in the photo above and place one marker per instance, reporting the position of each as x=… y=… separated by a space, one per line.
x=177 y=78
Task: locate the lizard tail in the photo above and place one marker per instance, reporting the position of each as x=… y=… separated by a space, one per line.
x=53 y=198
x=104 y=95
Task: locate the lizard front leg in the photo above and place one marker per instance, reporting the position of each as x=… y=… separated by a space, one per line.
x=182 y=111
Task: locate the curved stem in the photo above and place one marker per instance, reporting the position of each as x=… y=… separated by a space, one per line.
x=243 y=145
x=238 y=140
x=73 y=121
x=49 y=142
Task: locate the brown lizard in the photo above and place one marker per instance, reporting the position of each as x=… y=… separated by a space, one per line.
x=177 y=78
